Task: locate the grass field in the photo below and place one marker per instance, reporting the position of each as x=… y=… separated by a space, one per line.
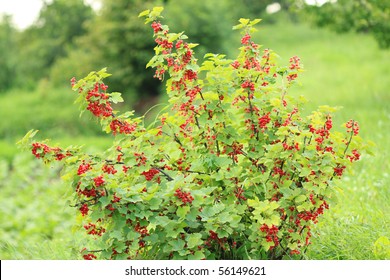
x=340 y=70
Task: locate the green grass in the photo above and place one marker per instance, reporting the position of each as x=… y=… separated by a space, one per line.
x=340 y=70
x=33 y=209
x=49 y=110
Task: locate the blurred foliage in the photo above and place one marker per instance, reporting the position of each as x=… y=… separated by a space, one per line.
x=116 y=38
x=367 y=16
x=54 y=115
x=33 y=211
x=207 y=23
x=58 y=24
x=25 y=176
x=254 y=8
x=7 y=53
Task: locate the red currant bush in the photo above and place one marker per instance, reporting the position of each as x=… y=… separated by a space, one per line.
x=231 y=169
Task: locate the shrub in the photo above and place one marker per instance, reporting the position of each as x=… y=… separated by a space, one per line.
x=230 y=170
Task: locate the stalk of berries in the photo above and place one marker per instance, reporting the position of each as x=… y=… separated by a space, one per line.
x=214 y=239
x=271 y=234
x=88 y=256
x=185 y=197
x=99 y=103
x=149 y=175
x=92 y=229
x=41 y=150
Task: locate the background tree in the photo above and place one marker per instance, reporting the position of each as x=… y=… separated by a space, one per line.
x=368 y=16
x=7 y=53
x=48 y=39
x=116 y=39
x=205 y=22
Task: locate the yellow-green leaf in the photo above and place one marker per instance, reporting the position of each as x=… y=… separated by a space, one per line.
x=144 y=13
x=300 y=198
x=255 y=21
x=244 y=21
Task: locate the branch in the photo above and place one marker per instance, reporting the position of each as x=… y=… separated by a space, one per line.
x=350 y=139
x=86 y=201
x=253 y=123
x=169 y=178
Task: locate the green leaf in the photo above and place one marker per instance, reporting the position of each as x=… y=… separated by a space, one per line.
x=305 y=172
x=287 y=193
x=238 y=26
x=116 y=97
x=194 y=240
x=155 y=203
x=120 y=247
x=182 y=211
x=262 y=206
x=105 y=200
x=174 y=36
x=96 y=215
x=197 y=256
x=177 y=245
x=304 y=207
x=116 y=234
x=244 y=21
x=275 y=102
x=26 y=139
x=274 y=205
x=192 y=45
x=156 y=12
x=225 y=217
x=172 y=232
x=236 y=219
x=223 y=161
x=144 y=13
x=286 y=184
x=255 y=21
x=275 y=220
x=211 y=211
x=300 y=198
x=132 y=235
x=292 y=246
x=253 y=202
x=152 y=61
x=162 y=221
x=103 y=73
